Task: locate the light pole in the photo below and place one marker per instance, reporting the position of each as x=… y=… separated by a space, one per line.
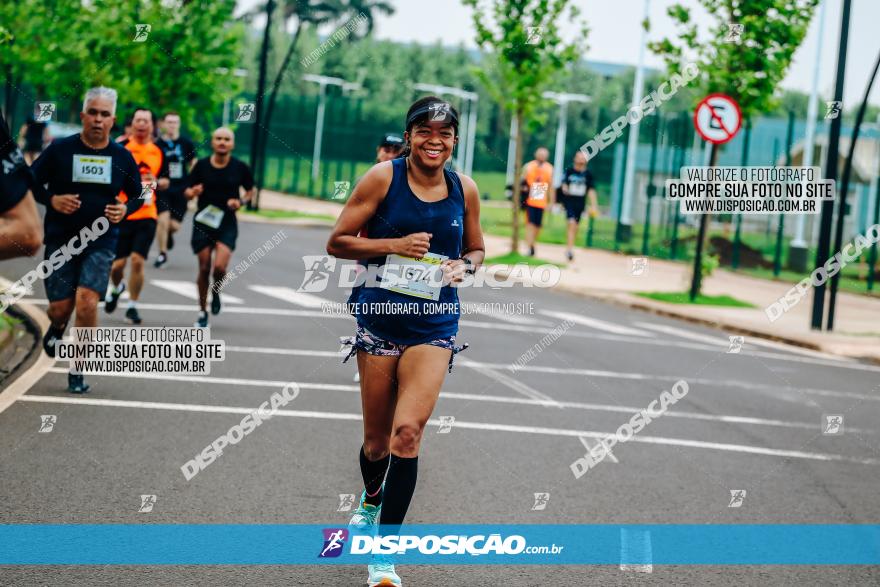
x=323 y=81
x=467 y=126
x=562 y=99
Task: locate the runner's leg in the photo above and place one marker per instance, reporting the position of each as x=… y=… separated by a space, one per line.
x=221 y=262
x=378 y=399
x=163 y=230
x=204 y=258
x=420 y=374
x=59 y=312
x=136 y=276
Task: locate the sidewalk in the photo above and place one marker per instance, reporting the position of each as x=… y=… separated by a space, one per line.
x=607 y=275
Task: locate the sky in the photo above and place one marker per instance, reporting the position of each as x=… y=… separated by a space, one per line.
x=615 y=33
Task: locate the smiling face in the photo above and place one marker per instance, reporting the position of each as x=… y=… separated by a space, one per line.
x=97 y=120
x=222 y=141
x=431 y=143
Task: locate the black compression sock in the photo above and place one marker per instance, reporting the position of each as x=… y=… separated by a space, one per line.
x=373 y=473
x=400 y=485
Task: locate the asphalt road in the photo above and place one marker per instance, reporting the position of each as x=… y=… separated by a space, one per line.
x=751 y=420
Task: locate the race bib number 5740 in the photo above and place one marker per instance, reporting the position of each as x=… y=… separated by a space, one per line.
x=92 y=169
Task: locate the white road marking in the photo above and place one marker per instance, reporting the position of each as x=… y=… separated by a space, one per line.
x=654 y=440
x=635 y=551
x=591 y=448
x=595 y=323
x=538 y=402
x=510 y=382
x=715 y=341
x=532 y=330
x=511 y=318
x=188 y=290
x=291 y=296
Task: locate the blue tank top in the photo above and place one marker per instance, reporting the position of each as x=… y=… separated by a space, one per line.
x=402 y=213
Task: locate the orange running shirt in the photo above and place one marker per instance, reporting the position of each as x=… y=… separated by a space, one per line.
x=150 y=160
x=538 y=177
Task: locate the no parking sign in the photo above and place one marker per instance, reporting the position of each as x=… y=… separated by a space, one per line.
x=717 y=118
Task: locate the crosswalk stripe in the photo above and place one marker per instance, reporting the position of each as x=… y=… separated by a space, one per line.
x=595 y=323
x=290 y=295
x=188 y=290
x=713 y=340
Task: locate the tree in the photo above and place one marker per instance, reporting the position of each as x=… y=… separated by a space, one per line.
x=746 y=63
x=523 y=43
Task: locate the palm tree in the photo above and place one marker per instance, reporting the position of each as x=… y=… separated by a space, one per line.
x=315 y=13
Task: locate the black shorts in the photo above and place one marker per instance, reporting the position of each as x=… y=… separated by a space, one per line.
x=90 y=269
x=207 y=237
x=574 y=207
x=135 y=236
x=535 y=215
x=174 y=202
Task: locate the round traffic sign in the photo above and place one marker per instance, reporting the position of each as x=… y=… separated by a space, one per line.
x=717 y=118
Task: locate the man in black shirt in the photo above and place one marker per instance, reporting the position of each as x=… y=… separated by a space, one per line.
x=84 y=174
x=577 y=184
x=216 y=182
x=180 y=155
x=20 y=230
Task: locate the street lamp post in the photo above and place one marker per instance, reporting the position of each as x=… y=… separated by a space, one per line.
x=323 y=81
x=563 y=100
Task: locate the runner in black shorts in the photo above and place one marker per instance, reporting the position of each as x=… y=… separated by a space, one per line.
x=85 y=174
x=576 y=185
x=20 y=231
x=180 y=155
x=216 y=181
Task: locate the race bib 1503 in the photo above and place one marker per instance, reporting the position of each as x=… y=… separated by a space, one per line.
x=92 y=169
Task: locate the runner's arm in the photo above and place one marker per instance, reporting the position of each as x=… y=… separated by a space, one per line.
x=131 y=183
x=369 y=192
x=21 y=232
x=594 y=201
x=163 y=180
x=472 y=245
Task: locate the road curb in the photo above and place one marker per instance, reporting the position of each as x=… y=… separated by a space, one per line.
x=36 y=365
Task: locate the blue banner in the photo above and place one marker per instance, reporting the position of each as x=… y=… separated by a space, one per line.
x=485 y=544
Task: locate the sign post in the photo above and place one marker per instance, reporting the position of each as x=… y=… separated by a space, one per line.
x=717 y=119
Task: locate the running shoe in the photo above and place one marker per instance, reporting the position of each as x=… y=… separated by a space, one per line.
x=366 y=516
x=202 y=322
x=52 y=336
x=110 y=304
x=160 y=260
x=76 y=383
x=215 y=303
x=132 y=316
x=531 y=251
x=569 y=255
x=381 y=573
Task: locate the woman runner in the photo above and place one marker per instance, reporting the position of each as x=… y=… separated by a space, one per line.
x=420 y=218
x=215 y=181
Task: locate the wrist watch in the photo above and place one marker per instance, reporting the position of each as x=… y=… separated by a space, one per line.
x=469 y=265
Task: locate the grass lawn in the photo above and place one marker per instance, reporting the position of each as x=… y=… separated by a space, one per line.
x=287 y=214
x=702 y=300
x=514 y=258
